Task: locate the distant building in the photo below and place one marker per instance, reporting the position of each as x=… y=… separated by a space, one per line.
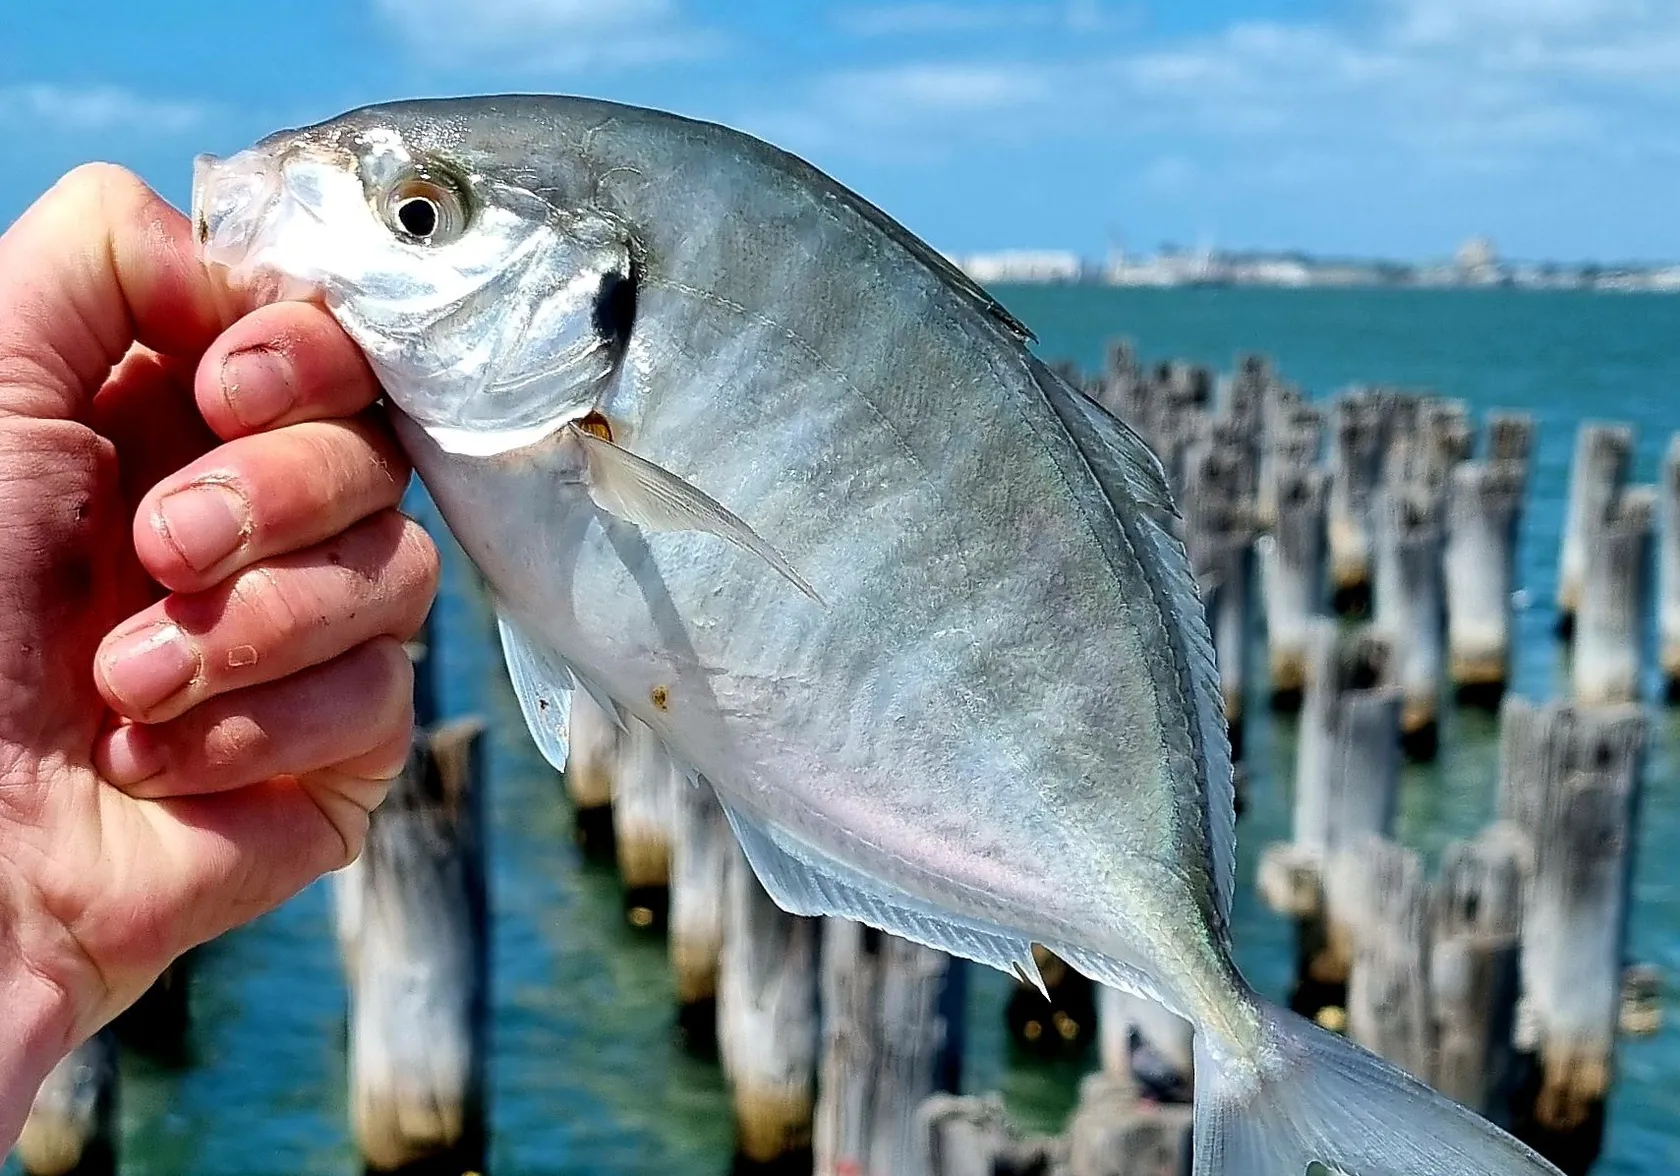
x=1478 y=263
x=1023 y=265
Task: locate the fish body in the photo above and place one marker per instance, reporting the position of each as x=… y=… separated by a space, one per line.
x=743 y=459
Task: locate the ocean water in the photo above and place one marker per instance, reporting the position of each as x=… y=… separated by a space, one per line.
x=585 y=1077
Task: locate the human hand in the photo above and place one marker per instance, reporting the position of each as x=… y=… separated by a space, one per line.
x=204 y=586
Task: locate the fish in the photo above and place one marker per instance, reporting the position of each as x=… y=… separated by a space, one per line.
x=744 y=460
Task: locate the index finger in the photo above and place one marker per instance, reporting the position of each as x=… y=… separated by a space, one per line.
x=98 y=263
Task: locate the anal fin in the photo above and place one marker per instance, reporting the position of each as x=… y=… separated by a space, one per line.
x=805 y=881
x=544 y=690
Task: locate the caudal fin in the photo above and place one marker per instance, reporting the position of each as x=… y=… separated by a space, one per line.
x=1321 y=1106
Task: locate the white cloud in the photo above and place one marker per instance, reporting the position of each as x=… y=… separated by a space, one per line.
x=95 y=108
x=1439 y=85
x=946 y=17
x=563 y=35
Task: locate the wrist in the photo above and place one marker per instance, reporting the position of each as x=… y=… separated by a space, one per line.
x=35 y=1028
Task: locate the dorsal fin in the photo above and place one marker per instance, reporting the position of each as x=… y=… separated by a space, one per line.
x=1136 y=487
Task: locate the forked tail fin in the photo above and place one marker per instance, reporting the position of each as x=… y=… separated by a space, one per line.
x=1322 y=1106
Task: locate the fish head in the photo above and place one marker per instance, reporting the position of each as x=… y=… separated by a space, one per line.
x=492 y=301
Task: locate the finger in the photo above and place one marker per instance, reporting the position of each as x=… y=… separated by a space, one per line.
x=98 y=263
x=146 y=409
x=356 y=709
x=282 y=364
x=271 y=619
x=259 y=496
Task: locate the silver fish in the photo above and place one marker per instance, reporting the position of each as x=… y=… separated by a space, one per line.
x=743 y=459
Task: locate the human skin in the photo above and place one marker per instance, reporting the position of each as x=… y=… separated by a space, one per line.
x=204 y=587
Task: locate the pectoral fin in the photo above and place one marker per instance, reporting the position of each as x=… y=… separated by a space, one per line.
x=635 y=490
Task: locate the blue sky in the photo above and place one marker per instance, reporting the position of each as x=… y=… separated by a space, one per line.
x=1368 y=127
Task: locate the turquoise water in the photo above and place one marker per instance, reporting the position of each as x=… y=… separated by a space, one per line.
x=585 y=1077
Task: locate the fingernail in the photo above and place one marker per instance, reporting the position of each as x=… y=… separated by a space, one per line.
x=145 y=667
x=204 y=524
x=131 y=755
x=258 y=385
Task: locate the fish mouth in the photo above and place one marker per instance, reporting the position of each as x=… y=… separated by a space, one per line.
x=239 y=207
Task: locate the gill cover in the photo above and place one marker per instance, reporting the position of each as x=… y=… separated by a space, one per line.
x=478 y=302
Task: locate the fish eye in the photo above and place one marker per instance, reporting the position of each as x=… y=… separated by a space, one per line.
x=424 y=210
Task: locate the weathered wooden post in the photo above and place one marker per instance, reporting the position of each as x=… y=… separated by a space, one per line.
x=593 y=738
x=1609 y=622
x=1476 y=917
x=1571 y=779
x=699 y=869
x=1347 y=784
x=72 y=1125
x=1356 y=448
x=1292 y=563
x=1379 y=897
x=1219 y=534
x=1122 y=389
x=1599 y=470
x=1290 y=441
x=645 y=784
x=767 y=1025
x=1510 y=437
x=1668 y=569
x=1115 y=1133
x=1484 y=503
x=1410 y=606
x=1444 y=426
x=418 y=976
x=888 y=1045
x=972 y=1136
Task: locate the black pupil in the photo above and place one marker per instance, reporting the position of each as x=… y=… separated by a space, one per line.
x=418 y=216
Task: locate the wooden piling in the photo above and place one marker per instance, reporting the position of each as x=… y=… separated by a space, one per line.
x=1115 y=1133
x=72 y=1124
x=1379 y=903
x=888 y=1045
x=645 y=783
x=1290 y=440
x=1668 y=569
x=593 y=738
x=419 y=974
x=1356 y=448
x=1610 y=620
x=699 y=867
x=1597 y=473
x=1292 y=562
x=1219 y=535
x=1347 y=785
x=1484 y=503
x=1475 y=921
x=972 y=1136
x=1571 y=781
x=1411 y=606
x=767 y=1025
x=1510 y=437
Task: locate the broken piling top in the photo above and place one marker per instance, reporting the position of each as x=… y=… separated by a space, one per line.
x=1475 y=920
x=419 y=976
x=1668 y=567
x=1244 y=399
x=1574 y=784
x=1609 y=619
x=592 y=753
x=1510 y=437
x=1291 y=440
x=1597 y=474
x=1348 y=760
x=1357 y=436
x=1444 y=426
x=1292 y=566
x=1484 y=506
x=1378 y=898
x=1410 y=595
